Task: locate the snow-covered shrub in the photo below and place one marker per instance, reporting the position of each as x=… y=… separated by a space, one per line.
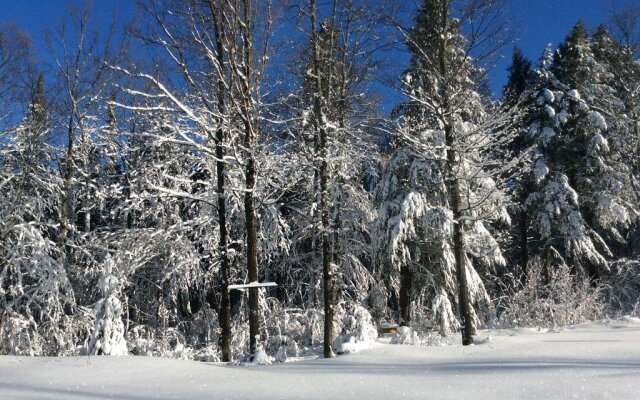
x=434 y=313
x=35 y=289
x=291 y=332
x=108 y=336
x=240 y=337
x=622 y=286
x=210 y=353
x=16 y=332
x=22 y=335
x=548 y=298
x=358 y=322
x=377 y=301
x=201 y=329
x=260 y=356
x=358 y=330
x=141 y=342
x=170 y=343
x=405 y=335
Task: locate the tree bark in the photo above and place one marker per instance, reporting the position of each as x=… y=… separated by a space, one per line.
x=224 y=315
x=250 y=176
x=524 y=241
x=453 y=164
x=327 y=273
x=406 y=279
x=66 y=210
x=464 y=299
x=252 y=254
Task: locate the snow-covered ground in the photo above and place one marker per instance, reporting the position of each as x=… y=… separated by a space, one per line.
x=592 y=361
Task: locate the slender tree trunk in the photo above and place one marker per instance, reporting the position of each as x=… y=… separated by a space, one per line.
x=65 y=210
x=464 y=299
x=461 y=267
x=524 y=241
x=463 y=288
x=335 y=252
x=127 y=196
x=224 y=315
x=404 y=301
x=455 y=193
x=453 y=164
x=252 y=254
x=250 y=177
x=327 y=273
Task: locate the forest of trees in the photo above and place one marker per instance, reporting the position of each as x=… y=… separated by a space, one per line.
x=145 y=168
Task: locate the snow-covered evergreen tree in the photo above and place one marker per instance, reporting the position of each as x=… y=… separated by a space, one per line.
x=584 y=202
x=34 y=287
x=438 y=196
x=521 y=76
x=108 y=337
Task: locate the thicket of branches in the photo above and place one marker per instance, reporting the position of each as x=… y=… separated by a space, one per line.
x=219 y=142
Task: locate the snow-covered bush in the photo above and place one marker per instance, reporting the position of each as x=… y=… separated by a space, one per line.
x=549 y=298
x=358 y=322
x=260 y=356
x=377 y=302
x=622 y=286
x=358 y=330
x=171 y=343
x=108 y=336
x=405 y=335
x=16 y=332
x=291 y=332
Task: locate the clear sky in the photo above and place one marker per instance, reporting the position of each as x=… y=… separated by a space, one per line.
x=539 y=22
x=535 y=22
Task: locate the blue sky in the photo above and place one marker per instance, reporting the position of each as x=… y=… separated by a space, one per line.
x=535 y=22
x=539 y=22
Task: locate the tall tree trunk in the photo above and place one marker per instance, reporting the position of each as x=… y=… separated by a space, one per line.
x=252 y=253
x=224 y=315
x=464 y=299
x=250 y=176
x=524 y=240
x=66 y=211
x=404 y=305
x=453 y=164
x=327 y=273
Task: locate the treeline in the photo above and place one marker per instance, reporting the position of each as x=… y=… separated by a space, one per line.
x=215 y=143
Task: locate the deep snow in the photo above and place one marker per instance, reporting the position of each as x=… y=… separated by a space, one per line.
x=591 y=361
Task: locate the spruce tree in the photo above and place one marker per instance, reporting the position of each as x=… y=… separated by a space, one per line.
x=35 y=290
x=581 y=205
x=521 y=76
x=437 y=196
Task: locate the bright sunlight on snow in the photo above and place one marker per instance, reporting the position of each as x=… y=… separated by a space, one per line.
x=590 y=361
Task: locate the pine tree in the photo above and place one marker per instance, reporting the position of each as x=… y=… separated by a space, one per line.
x=582 y=204
x=515 y=95
x=521 y=76
x=108 y=337
x=437 y=196
x=35 y=291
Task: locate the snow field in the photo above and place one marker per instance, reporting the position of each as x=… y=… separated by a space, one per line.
x=590 y=361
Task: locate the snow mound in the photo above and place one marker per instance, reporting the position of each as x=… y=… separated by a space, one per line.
x=260 y=356
x=405 y=335
x=358 y=331
x=477 y=340
x=626 y=321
